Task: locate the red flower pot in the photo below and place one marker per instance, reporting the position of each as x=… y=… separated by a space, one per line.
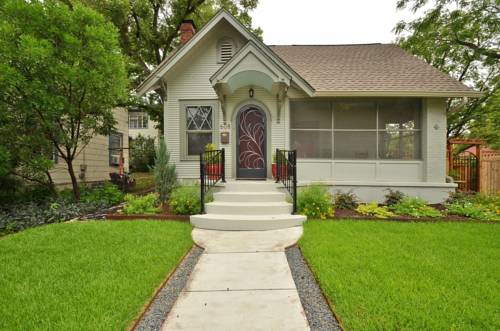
x=213 y=171
x=284 y=170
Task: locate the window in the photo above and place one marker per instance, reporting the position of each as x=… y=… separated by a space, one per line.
x=356 y=129
x=225 y=49
x=198 y=126
x=138 y=121
x=115 y=148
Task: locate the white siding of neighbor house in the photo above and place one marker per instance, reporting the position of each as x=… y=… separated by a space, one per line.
x=95 y=156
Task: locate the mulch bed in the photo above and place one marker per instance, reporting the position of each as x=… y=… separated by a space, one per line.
x=165 y=215
x=352 y=214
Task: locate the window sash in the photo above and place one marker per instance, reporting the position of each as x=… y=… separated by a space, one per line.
x=138 y=121
x=377 y=131
x=203 y=124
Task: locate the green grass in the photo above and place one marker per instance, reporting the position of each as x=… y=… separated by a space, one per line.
x=85 y=275
x=407 y=276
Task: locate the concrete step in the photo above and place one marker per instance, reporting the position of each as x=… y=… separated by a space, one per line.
x=249 y=208
x=271 y=196
x=246 y=222
x=251 y=186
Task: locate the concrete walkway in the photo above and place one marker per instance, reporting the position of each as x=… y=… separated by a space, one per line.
x=241 y=282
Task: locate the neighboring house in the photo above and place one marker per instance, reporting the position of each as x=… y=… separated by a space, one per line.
x=361 y=117
x=139 y=123
x=100 y=157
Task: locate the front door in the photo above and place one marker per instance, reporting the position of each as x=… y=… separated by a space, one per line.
x=251 y=143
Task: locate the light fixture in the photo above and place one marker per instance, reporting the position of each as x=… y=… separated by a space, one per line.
x=250 y=92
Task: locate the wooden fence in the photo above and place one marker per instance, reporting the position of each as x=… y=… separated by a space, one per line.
x=490 y=172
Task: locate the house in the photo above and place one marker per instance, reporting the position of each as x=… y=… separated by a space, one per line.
x=99 y=157
x=361 y=117
x=139 y=123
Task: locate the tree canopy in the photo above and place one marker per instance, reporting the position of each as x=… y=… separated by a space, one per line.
x=149 y=31
x=62 y=73
x=461 y=38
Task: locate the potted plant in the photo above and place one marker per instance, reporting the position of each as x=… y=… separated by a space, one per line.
x=274 y=167
x=213 y=167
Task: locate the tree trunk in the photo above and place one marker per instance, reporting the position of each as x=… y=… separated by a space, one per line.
x=74 y=181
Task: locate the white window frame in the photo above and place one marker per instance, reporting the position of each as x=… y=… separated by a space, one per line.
x=183 y=104
x=140 y=118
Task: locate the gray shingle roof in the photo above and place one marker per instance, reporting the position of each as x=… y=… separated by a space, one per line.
x=367 y=68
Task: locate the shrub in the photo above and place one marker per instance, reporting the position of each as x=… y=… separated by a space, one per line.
x=393 y=197
x=146 y=204
x=373 y=209
x=142 y=153
x=106 y=194
x=416 y=207
x=347 y=200
x=315 y=202
x=185 y=200
x=164 y=172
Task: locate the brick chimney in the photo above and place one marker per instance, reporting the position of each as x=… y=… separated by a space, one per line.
x=187 y=31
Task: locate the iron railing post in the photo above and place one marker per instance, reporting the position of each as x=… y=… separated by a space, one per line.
x=202 y=184
x=223 y=164
x=294 y=182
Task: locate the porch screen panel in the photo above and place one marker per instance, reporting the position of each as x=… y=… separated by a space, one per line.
x=311 y=129
x=399 y=123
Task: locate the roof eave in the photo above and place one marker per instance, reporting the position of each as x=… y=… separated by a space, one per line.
x=428 y=94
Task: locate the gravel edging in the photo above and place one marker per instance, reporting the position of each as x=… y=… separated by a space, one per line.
x=163 y=302
x=318 y=312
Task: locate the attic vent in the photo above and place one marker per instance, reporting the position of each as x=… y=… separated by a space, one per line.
x=225 y=50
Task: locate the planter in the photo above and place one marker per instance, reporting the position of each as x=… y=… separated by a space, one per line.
x=284 y=170
x=213 y=171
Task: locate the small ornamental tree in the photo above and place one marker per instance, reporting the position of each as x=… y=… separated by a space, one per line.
x=61 y=66
x=164 y=172
x=142 y=153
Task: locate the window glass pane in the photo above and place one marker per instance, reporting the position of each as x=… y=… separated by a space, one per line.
x=312 y=144
x=355 y=115
x=199 y=117
x=401 y=145
x=310 y=115
x=355 y=144
x=401 y=114
x=196 y=142
x=132 y=121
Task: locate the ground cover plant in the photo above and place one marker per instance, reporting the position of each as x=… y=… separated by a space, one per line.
x=477 y=206
x=416 y=207
x=146 y=204
x=315 y=201
x=85 y=275
x=373 y=209
x=407 y=276
x=345 y=200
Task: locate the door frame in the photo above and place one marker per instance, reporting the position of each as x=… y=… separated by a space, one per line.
x=242 y=107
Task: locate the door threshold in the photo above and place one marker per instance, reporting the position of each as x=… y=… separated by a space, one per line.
x=251 y=178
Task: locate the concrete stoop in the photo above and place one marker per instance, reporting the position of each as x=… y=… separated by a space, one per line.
x=248 y=205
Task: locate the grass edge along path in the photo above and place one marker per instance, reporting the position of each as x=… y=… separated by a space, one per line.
x=408 y=276
x=86 y=275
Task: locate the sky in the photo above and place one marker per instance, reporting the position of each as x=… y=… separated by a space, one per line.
x=328 y=21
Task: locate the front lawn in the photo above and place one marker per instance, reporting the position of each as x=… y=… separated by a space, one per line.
x=407 y=276
x=85 y=275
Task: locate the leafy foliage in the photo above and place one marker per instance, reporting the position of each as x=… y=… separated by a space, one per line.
x=107 y=194
x=416 y=207
x=315 y=201
x=372 y=209
x=142 y=153
x=346 y=200
x=185 y=200
x=477 y=206
x=149 y=32
x=146 y=204
x=59 y=83
x=393 y=197
x=164 y=172
x=461 y=38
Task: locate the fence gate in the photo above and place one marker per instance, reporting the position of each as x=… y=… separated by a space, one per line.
x=465 y=171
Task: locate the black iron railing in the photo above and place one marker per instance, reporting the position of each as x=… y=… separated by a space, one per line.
x=212 y=170
x=286 y=172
